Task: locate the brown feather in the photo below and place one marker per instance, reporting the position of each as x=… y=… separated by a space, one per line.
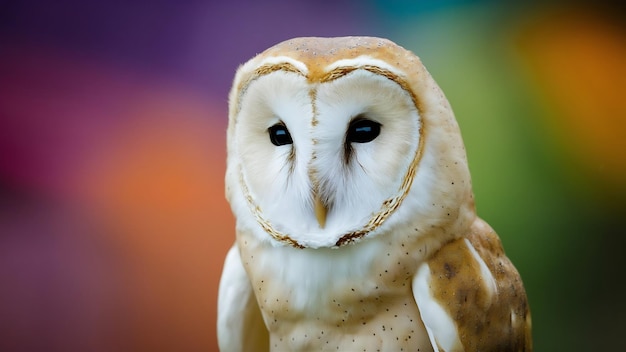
x=484 y=322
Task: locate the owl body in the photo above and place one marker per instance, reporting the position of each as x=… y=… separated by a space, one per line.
x=356 y=227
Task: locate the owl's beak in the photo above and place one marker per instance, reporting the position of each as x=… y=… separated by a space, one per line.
x=320 y=210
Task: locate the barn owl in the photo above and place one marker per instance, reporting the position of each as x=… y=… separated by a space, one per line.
x=356 y=225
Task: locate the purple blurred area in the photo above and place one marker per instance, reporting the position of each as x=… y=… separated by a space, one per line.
x=200 y=43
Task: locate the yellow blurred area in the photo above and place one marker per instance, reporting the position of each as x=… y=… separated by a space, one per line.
x=578 y=59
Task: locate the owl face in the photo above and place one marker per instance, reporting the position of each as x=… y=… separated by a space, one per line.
x=325 y=146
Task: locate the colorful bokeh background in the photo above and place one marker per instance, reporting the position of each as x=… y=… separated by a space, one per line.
x=113 y=222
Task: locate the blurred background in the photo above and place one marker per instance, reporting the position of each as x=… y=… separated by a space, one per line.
x=113 y=223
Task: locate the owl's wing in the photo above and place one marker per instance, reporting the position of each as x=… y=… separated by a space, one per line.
x=240 y=326
x=471 y=297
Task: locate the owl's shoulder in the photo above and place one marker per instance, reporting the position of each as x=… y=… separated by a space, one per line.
x=472 y=279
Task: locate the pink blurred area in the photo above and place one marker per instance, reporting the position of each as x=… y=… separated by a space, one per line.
x=113 y=222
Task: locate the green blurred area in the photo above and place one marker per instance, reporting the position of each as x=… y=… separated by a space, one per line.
x=557 y=220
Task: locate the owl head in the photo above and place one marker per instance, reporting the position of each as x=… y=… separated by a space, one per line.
x=336 y=140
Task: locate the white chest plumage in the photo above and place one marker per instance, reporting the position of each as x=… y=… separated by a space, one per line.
x=352 y=297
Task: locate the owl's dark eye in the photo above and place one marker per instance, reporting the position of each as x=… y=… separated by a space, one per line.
x=362 y=131
x=279 y=135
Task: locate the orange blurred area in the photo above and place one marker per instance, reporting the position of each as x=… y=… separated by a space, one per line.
x=578 y=59
x=161 y=188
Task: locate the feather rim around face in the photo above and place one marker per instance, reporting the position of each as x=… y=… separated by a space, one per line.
x=321 y=60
